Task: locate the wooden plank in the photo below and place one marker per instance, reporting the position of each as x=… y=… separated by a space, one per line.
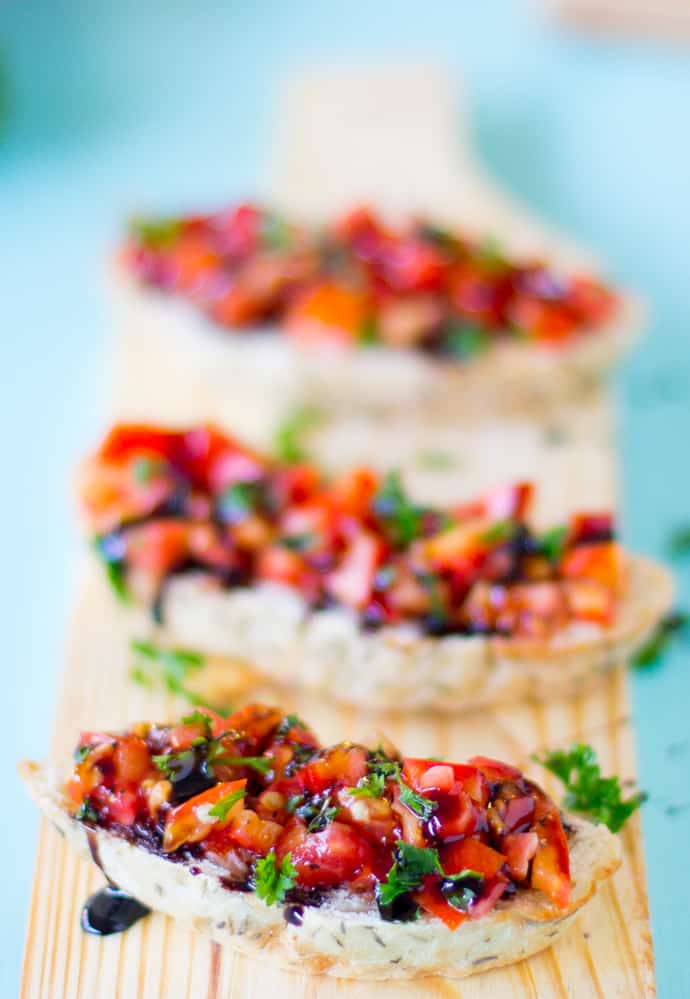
x=606 y=953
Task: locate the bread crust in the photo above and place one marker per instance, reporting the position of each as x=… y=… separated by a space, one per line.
x=248 y=380
x=335 y=939
x=396 y=668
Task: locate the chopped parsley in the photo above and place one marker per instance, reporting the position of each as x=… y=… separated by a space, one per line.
x=271 y=880
x=422 y=807
x=412 y=864
x=222 y=808
x=275 y=232
x=552 y=543
x=371 y=786
x=237 y=501
x=651 y=652
x=586 y=790
x=86 y=812
x=288 y=441
x=81 y=752
x=462 y=889
x=402 y=518
x=323 y=817
x=144 y=469
x=199 y=718
x=261 y=763
x=297 y=542
x=466 y=340
x=293 y=803
x=107 y=548
x=499 y=533
x=171 y=667
x=156 y=233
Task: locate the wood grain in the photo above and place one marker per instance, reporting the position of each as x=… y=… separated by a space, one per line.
x=608 y=951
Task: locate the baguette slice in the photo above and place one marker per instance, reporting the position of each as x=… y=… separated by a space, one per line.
x=270 y=631
x=248 y=381
x=341 y=937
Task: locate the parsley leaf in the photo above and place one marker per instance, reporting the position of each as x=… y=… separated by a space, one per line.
x=498 y=533
x=466 y=340
x=402 y=518
x=650 y=653
x=108 y=548
x=156 y=233
x=81 y=752
x=272 y=882
x=297 y=542
x=586 y=790
x=412 y=863
x=261 y=763
x=172 y=667
x=422 y=807
x=288 y=441
x=237 y=501
x=221 y=808
x=325 y=815
x=371 y=786
x=552 y=543
x=86 y=812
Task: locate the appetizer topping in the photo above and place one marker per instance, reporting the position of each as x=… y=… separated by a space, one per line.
x=357 y=541
x=258 y=800
x=361 y=281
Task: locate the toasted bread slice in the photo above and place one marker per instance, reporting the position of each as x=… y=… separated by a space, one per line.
x=345 y=936
x=395 y=668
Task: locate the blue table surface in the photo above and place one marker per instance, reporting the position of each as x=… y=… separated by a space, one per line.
x=115 y=107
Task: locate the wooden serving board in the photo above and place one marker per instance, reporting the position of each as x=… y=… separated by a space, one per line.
x=606 y=953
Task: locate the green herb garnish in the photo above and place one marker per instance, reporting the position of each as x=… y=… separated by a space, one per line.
x=586 y=790
x=653 y=649
x=172 y=667
x=297 y=542
x=261 y=763
x=144 y=469
x=468 y=886
x=499 y=533
x=273 y=882
x=199 y=718
x=288 y=441
x=81 y=752
x=156 y=233
x=369 y=332
x=238 y=501
x=114 y=567
x=86 y=812
x=412 y=864
x=293 y=803
x=275 y=232
x=552 y=543
x=402 y=518
x=325 y=815
x=466 y=341
x=221 y=809
x=422 y=807
x=371 y=786
x=290 y=721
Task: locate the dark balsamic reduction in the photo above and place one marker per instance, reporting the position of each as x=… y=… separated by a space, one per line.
x=294 y=914
x=111 y=910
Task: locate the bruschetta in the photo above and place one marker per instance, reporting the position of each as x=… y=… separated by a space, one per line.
x=346 y=861
x=359 y=318
x=349 y=587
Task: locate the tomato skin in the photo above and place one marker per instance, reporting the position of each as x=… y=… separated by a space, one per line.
x=335 y=855
x=126 y=439
x=471 y=854
x=431 y=900
x=551 y=864
x=352 y=583
x=132 y=761
x=122 y=807
x=328 y=312
x=601 y=563
x=281 y=565
x=495 y=770
x=189 y=823
x=341 y=766
x=519 y=849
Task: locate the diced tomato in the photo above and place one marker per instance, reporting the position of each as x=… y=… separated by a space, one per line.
x=126 y=439
x=471 y=854
x=249 y=831
x=430 y=898
x=352 y=583
x=122 y=807
x=588 y=527
x=495 y=770
x=373 y=817
x=333 y=856
x=329 y=312
x=191 y=822
x=439 y=776
x=412 y=265
x=517 y=811
x=551 y=864
x=590 y=601
x=157 y=546
x=353 y=491
x=547 y=322
x=191 y=259
x=591 y=302
x=519 y=849
x=281 y=565
x=491 y=894
x=254 y=721
x=132 y=760
x=214 y=461
x=295 y=484
x=602 y=563
x=342 y=765
x=465 y=777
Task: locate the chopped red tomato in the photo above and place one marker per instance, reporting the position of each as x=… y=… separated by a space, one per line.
x=602 y=563
x=329 y=312
x=430 y=898
x=335 y=855
x=472 y=855
x=341 y=766
x=192 y=821
x=353 y=582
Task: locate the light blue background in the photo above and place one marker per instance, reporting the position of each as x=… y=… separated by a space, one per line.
x=118 y=106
